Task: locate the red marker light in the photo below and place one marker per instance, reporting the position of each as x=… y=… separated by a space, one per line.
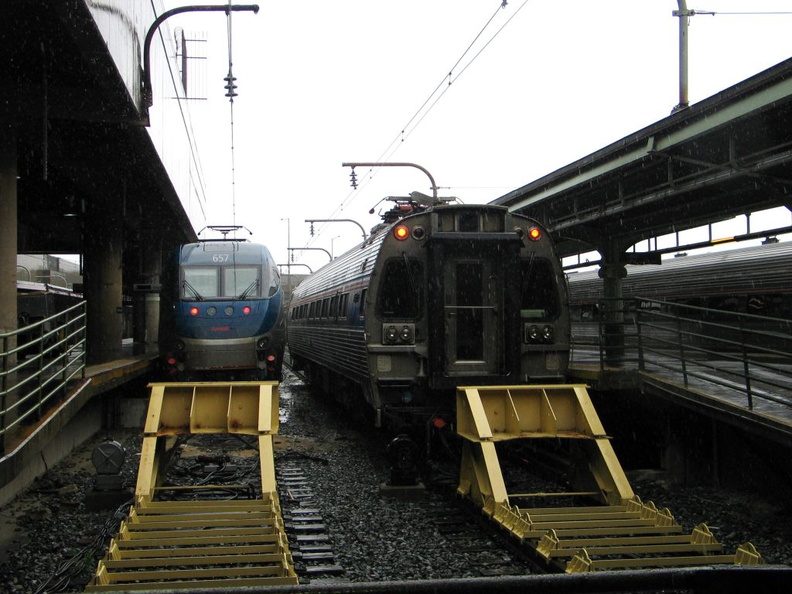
x=401 y=232
x=193 y=311
x=246 y=310
x=535 y=233
x=271 y=358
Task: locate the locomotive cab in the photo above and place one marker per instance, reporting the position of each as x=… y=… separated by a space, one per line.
x=227 y=312
x=465 y=294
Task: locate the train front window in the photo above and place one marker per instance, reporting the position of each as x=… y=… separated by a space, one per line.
x=240 y=282
x=200 y=282
x=538 y=291
x=401 y=290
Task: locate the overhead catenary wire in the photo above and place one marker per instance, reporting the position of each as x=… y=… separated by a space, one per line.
x=450 y=74
x=428 y=104
x=717 y=12
x=410 y=127
x=440 y=90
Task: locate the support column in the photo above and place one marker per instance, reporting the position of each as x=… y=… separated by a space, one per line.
x=103 y=277
x=8 y=228
x=612 y=271
x=146 y=297
x=8 y=256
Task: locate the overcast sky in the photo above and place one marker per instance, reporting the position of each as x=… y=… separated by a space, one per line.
x=534 y=85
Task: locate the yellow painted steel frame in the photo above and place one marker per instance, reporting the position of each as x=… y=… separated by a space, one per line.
x=249 y=408
x=488 y=414
x=623 y=533
x=201 y=543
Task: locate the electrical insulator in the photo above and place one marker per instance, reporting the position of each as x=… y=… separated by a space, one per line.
x=353 y=179
x=312 y=230
x=230 y=86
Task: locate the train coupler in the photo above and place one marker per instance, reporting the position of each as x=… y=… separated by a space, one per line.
x=403 y=454
x=403 y=457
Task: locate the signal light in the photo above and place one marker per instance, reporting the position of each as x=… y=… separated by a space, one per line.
x=401 y=232
x=535 y=233
x=193 y=311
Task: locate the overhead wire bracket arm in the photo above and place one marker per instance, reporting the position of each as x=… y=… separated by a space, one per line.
x=148 y=96
x=312 y=221
x=299 y=249
x=426 y=171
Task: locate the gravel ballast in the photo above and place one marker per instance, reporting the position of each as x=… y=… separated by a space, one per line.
x=50 y=536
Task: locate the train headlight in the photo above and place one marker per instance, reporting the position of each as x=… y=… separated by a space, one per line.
x=210 y=311
x=535 y=334
x=535 y=233
x=398 y=334
x=194 y=311
x=179 y=345
x=262 y=342
x=229 y=310
x=390 y=334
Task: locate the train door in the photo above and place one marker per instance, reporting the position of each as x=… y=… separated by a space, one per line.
x=470 y=314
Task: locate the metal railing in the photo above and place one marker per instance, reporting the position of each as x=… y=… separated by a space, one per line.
x=37 y=362
x=744 y=358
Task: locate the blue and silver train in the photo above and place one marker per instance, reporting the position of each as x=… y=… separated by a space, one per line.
x=447 y=296
x=227 y=319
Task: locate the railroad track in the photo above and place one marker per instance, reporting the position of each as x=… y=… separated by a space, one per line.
x=309 y=541
x=274 y=534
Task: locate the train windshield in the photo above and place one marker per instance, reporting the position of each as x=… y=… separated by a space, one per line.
x=538 y=291
x=199 y=282
x=241 y=282
x=224 y=282
x=401 y=293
